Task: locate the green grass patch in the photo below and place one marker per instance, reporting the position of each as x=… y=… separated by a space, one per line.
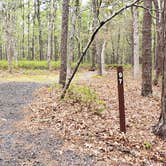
x=126 y=66
x=39 y=65
x=42 y=65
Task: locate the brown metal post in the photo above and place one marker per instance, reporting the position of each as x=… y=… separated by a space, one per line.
x=121 y=99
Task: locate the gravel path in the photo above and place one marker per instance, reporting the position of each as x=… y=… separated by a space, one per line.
x=19 y=148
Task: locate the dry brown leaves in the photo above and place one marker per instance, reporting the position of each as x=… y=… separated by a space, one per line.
x=89 y=133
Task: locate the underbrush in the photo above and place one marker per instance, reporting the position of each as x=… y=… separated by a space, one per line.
x=30 y=65
x=42 y=65
x=86 y=96
x=37 y=65
x=80 y=95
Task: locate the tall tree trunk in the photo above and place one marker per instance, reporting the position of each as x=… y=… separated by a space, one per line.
x=132 y=39
x=50 y=30
x=101 y=60
x=136 y=42
x=29 y=13
x=74 y=14
x=113 y=59
x=118 y=47
x=95 y=10
x=23 y=29
x=160 y=128
x=9 y=39
x=40 y=30
x=33 y=30
x=64 y=37
x=146 y=50
x=158 y=50
x=56 y=48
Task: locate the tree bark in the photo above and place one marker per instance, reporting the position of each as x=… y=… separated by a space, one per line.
x=101 y=60
x=9 y=35
x=146 y=50
x=102 y=23
x=29 y=14
x=33 y=30
x=118 y=47
x=136 y=42
x=160 y=128
x=50 y=30
x=64 y=37
x=23 y=29
x=94 y=50
x=40 y=30
x=74 y=15
x=158 y=50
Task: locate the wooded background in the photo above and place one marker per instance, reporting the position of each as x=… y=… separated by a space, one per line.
x=59 y=31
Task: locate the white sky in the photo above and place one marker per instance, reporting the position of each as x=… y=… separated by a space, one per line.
x=84 y=2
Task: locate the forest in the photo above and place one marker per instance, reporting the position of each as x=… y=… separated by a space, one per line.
x=82 y=82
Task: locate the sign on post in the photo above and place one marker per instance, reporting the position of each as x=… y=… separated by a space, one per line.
x=121 y=99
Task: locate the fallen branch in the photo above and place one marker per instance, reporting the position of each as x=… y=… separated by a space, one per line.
x=90 y=42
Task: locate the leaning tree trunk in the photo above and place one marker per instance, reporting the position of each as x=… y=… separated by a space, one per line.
x=146 y=50
x=90 y=42
x=160 y=128
x=64 y=36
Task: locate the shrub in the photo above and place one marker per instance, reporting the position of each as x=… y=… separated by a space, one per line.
x=85 y=95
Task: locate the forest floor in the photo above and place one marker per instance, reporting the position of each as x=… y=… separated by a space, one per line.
x=38 y=76
x=52 y=132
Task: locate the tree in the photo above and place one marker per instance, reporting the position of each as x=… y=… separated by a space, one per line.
x=23 y=29
x=9 y=18
x=29 y=14
x=91 y=39
x=74 y=17
x=135 y=42
x=64 y=37
x=50 y=30
x=40 y=29
x=95 y=45
x=160 y=128
x=158 y=57
x=146 y=50
x=33 y=29
x=101 y=60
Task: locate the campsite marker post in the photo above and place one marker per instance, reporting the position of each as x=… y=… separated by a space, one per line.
x=121 y=99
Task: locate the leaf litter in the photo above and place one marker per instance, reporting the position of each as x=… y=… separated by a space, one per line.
x=86 y=132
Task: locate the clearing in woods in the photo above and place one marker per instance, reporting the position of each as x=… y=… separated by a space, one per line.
x=49 y=132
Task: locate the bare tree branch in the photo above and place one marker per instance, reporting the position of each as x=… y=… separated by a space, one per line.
x=90 y=42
